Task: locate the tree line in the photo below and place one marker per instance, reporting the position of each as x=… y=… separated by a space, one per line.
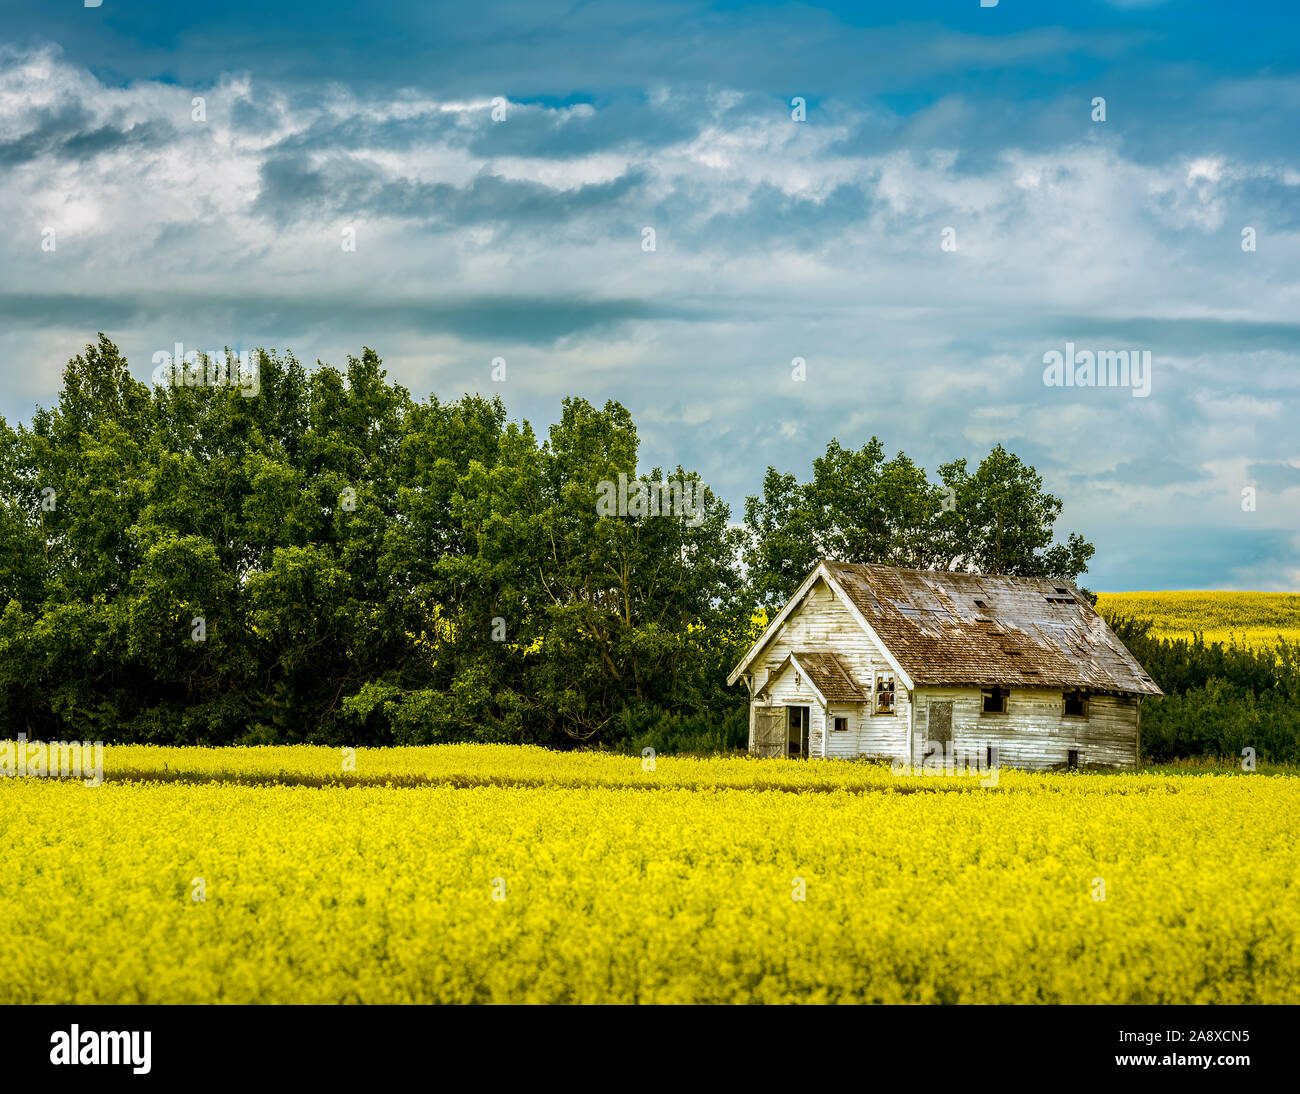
x=328 y=559
x=1221 y=699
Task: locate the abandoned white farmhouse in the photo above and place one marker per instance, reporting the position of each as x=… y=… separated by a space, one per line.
x=879 y=661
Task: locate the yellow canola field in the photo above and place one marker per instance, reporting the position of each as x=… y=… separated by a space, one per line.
x=472 y=765
x=589 y=879
x=1251 y=619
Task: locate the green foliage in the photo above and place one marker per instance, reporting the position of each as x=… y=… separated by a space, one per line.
x=361 y=567
x=639 y=728
x=861 y=507
x=1220 y=697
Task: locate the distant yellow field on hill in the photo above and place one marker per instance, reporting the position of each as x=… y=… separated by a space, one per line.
x=1253 y=619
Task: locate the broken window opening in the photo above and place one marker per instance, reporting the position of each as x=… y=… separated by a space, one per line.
x=995 y=700
x=884 y=693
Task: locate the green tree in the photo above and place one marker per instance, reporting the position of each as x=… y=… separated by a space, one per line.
x=861 y=507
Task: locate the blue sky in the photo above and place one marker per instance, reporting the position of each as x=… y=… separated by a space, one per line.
x=822 y=239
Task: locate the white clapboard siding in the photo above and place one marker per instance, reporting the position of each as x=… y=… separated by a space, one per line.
x=1034 y=733
x=822 y=622
x=878 y=735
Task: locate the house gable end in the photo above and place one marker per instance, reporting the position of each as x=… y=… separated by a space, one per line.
x=775 y=626
x=805 y=601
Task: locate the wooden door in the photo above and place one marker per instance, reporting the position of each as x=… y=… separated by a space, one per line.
x=769 y=731
x=938 y=728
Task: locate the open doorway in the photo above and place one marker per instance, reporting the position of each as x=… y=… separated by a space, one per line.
x=797 y=731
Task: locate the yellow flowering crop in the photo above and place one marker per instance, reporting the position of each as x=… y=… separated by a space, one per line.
x=1246 y=618
x=497 y=874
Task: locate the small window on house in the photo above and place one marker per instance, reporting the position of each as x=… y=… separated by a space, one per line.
x=1072 y=759
x=841 y=725
x=979 y=603
x=884 y=693
x=1076 y=704
x=995 y=700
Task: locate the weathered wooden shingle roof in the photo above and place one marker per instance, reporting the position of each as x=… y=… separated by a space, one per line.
x=828 y=675
x=974 y=629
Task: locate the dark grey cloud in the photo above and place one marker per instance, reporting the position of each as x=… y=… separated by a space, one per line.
x=360 y=131
x=1155 y=470
x=537 y=320
x=293 y=187
x=1165 y=335
x=771 y=217
x=69 y=132
x=251 y=115
x=1275 y=476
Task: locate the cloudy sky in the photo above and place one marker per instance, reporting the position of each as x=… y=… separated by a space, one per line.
x=948 y=212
